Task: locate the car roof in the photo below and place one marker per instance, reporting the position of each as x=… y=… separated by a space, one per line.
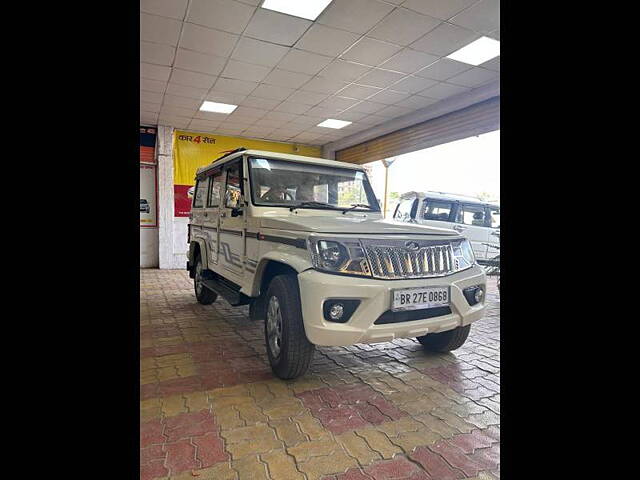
x=447 y=196
x=279 y=156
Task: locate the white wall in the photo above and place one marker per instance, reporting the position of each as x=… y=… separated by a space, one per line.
x=172 y=230
x=149 y=248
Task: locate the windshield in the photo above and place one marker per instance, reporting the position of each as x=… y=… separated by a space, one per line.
x=283 y=183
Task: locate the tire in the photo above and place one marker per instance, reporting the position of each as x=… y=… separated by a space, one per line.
x=289 y=351
x=445 y=341
x=203 y=294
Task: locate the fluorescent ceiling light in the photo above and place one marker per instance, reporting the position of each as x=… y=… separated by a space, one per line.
x=208 y=106
x=331 y=123
x=477 y=52
x=309 y=9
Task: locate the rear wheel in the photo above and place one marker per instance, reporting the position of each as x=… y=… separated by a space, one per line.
x=445 y=341
x=289 y=351
x=203 y=294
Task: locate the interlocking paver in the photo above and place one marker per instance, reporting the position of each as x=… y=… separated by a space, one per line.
x=210 y=407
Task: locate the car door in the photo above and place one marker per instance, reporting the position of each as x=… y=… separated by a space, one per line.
x=231 y=247
x=436 y=213
x=197 y=209
x=471 y=222
x=211 y=220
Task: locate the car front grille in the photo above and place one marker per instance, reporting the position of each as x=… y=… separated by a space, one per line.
x=397 y=260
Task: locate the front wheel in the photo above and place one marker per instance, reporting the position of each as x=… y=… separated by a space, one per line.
x=445 y=341
x=203 y=294
x=289 y=351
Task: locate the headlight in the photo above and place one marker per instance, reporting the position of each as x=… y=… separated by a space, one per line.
x=463 y=253
x=339 y=257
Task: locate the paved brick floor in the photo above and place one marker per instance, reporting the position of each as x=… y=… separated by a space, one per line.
x=211 y=409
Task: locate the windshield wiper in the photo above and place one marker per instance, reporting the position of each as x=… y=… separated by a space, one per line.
x=311 y=203
x=357 y=205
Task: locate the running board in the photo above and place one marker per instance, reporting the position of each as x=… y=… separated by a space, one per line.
x=234 y=297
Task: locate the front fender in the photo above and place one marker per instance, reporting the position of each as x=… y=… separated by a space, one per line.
x=298 y=262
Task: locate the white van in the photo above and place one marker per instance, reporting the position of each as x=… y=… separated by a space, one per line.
x=476 y=220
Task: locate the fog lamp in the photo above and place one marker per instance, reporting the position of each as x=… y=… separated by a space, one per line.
x=335 y=311
x=474 y=295
x=479 y=295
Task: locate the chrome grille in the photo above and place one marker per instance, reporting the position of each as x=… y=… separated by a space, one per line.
x=394 y=260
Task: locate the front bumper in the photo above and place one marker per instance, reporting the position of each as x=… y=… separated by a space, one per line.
x=375 y=299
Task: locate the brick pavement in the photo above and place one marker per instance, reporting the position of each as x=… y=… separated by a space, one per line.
x=211 y=409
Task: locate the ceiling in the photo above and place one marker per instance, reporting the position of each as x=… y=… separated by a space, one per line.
x=365 y=61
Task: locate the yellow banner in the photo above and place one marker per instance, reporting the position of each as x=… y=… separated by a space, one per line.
x=193 y=150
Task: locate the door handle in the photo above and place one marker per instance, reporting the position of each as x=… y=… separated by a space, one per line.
x=206 y=214
x=459 y=228
x=223 y=214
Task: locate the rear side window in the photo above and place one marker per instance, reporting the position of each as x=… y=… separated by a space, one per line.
x=437 y=210
x=217 y=181
x=405 y=210
x=471 y=215
x=200 y=193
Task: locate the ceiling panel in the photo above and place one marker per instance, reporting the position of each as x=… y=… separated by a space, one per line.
x=443 y=69
x=326 y=41
x=445 y=39
x=226 y=15
x=199 y=62
x=276 y=27
x=156 y=53
x=409 y=61
x=258 y=52
x=304 y=62
x=165 y=8
x=191 y=79
x=284 y=78
x=482 y=17
x=207 y=40
x=443 y=9
x=403 y=27
x=245 y=71
x=159 y=29
x=356 y=16
x=380 y=78
x=371 y=52
x=364 y=61
x=474 y=77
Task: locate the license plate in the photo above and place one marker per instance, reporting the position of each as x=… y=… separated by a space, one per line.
x=417 y=298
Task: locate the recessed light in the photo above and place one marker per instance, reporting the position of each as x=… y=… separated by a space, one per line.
x=309 y=9
x=331 y=123
x=477 y=52
x=208 y=106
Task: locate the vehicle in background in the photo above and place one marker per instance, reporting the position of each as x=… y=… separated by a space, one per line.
x=302 y=241
x=144 y=206
x=471 y=217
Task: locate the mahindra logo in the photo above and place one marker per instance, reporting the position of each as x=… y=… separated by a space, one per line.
x=412 y=245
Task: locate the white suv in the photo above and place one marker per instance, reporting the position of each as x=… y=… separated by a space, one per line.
x=302 y=241
x=476 y=220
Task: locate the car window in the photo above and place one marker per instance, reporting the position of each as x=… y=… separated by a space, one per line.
x=284 y=183
x=495 y=217
x=437 y=210
x=200 y=193
x=232 y=194
x=471 y=215
x=404 y=210
x=216 y=189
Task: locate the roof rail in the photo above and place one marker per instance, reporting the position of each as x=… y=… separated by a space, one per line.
x=229 y=152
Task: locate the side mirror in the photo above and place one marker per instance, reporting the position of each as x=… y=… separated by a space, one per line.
x=236 y=212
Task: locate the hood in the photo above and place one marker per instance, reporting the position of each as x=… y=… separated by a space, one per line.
x=350 y=224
